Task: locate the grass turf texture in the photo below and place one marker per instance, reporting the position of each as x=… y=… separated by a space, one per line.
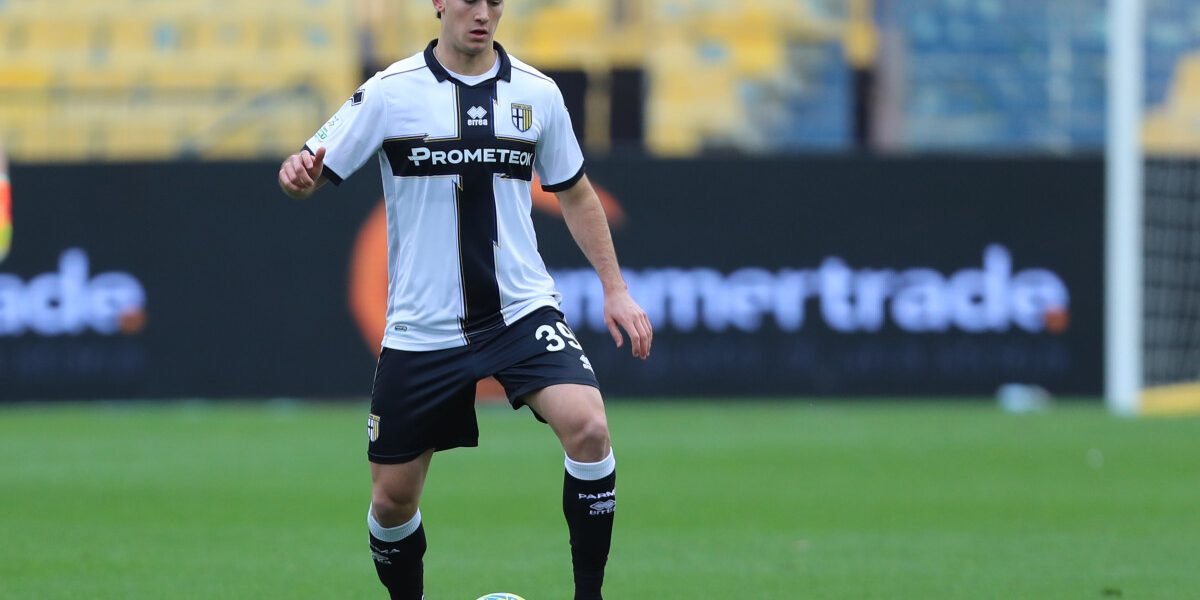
x=723 y=500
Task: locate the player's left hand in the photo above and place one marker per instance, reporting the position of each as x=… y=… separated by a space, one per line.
x=621 y=312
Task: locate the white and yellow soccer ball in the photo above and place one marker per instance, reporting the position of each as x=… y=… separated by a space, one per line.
x=500 y=596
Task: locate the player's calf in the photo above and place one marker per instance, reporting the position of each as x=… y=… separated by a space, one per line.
x=397 y=534
x=399 y=552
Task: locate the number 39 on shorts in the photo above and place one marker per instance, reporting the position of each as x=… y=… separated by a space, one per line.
x=557 y=341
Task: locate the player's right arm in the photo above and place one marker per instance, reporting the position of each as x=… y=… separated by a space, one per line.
x=301 y=174
x=341 y=146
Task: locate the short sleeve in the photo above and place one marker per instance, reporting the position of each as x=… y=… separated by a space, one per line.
x=354 y=134
x=559 y=161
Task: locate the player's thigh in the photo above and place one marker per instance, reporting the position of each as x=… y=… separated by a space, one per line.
x=576 y=414
x=537 y=352
x=540 y=362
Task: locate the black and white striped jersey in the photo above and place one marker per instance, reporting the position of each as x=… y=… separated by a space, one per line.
x=457 y=162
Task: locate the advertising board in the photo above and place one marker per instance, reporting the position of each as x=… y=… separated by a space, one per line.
x=833 y=276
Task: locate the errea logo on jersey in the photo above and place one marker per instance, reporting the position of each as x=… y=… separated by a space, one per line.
x=477 y=116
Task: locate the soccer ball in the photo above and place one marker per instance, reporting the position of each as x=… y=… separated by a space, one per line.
x=500 y=596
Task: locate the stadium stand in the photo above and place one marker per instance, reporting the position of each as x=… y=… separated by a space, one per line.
x=721 y=74
x=1019 y=75
x=146 y=79
x=742 y=77
x=1000 y=75
x=1172 y=125
x=143 y=79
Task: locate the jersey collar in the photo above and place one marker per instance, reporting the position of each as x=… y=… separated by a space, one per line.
x=441 y=74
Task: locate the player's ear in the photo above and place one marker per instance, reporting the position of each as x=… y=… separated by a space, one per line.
x=439 y=6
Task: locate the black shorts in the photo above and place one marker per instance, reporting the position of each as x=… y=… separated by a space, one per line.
x=426 y=400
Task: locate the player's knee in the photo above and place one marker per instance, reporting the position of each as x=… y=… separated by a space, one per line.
x=590 y=440
x=394 y=508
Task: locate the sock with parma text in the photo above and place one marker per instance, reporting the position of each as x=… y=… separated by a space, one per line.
x=589 y=503
x=398 y=553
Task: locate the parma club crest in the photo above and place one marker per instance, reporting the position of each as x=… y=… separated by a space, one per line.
x=522 y=116
x=372 y=427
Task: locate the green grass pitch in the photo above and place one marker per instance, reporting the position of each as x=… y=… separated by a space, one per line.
x=731 y=499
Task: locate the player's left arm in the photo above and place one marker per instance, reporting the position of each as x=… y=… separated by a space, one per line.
x=588 y=225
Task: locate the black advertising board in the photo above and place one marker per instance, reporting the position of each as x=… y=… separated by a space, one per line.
x=802 y=276
x=841 y=276
x=244 y=290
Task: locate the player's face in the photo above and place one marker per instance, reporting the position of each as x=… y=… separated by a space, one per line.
x=471 y=24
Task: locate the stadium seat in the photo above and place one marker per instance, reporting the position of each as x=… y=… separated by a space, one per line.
x=546 y=45
x=24 y=78
x=1174 y=127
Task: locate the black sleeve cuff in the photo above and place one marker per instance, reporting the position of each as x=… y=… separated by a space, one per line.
x=566 y=185
x=326 y=172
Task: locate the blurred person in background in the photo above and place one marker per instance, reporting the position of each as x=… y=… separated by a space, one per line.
x=6 y=224
x=461 y=127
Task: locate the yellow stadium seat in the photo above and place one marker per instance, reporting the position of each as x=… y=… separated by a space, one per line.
x=1185 y=90
x=58 y=34
x=1174 y=127
x=564 y=36
x=24 y=78
x=198 y=80
x=221 y=35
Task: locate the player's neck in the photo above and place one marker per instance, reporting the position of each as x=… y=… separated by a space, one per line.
x=462 y=63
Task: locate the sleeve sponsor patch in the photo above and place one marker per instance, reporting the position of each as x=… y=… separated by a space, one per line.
x=327 y=129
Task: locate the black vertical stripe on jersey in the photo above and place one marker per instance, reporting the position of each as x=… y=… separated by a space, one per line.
x=477 y=227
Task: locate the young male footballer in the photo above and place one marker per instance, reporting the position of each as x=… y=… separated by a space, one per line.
x=459 y=130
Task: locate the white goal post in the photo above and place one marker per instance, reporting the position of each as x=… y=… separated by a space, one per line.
x=1152 y=238
x=1123 y=185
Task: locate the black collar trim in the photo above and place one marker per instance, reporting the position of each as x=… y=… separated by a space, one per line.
x=441 y=74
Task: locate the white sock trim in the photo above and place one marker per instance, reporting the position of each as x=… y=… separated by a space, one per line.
x=592 y=471
x=392 y=534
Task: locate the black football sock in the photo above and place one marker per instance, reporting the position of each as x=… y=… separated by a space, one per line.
x=398 y=552
x=589 y=502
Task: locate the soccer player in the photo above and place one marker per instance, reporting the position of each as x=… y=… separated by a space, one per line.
x=459 y=130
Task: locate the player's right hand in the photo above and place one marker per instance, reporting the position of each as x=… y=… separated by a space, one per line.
x=300 y=174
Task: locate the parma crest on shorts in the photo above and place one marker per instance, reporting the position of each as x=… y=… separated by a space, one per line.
x=522 y=116
x=372 y=427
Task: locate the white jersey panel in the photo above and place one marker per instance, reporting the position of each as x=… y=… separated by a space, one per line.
x=424 y=284
x=519 y=268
